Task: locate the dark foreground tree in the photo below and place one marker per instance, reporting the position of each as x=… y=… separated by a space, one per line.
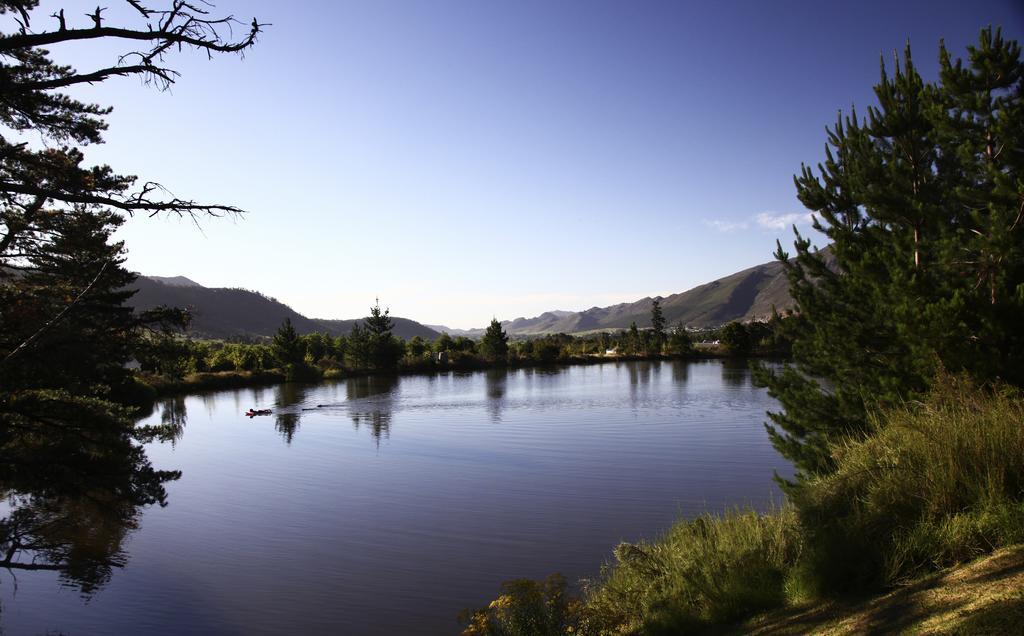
x=65 y=336
x=923 y=203
x=494 y=344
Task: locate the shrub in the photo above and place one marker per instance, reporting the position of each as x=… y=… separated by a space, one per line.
x=527 y=608
x=709 y=570
x=933 y=484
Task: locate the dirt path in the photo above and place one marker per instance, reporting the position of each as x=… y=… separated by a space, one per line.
x=982 y=597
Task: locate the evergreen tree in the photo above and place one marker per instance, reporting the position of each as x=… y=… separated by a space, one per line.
x=633 y=339
x=443 y=342
x=288 y=347
x=657 y=325
x=735 y=337
x=357 y=348
x=925 y=271
x=679 y=341
x=384 y=350
x=67 y=448
x=494 y=344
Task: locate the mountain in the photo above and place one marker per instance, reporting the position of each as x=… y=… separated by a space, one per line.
x=175 y=281
x=229 y=312
x=746 y=295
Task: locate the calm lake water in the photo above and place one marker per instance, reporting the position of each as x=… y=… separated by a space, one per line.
x=400 y=501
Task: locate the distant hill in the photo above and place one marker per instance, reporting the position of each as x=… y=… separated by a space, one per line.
x=229 y=312
x=746 y=295
x=175 y=281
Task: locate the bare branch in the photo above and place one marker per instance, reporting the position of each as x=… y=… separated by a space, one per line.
x=29 y=40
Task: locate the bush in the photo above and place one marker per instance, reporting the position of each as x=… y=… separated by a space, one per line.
x=710 y=570
x=933 y=484
x=527 y=608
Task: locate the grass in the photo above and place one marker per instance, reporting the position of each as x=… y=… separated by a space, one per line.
x=985 y=596
x=934 y=484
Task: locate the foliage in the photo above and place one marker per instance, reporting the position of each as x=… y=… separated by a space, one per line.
x=657 y=325
x=383 y=350
x=494 y=344
x=934 y=484
x=711 y=570
x=527 y=608
x=71 y=461
x=921 y=201
x=679 y=341
x=736 y=339
x=287 y=346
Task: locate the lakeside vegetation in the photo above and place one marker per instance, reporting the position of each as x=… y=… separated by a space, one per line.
x=901 y=405
x=170 y=363
x=934 y=484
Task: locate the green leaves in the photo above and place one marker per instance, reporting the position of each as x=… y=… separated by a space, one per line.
x=922 y=203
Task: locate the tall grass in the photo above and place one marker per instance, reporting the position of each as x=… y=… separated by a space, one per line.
x=932 y=484
x=709 y=570
x=935 y=483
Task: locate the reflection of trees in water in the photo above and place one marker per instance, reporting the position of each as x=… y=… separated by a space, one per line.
x=173 y=417
x=288 y=395
x=79 y=537
x=680 y=371
x=370 y=402
x=735 y=372
x=72 y=517
x=639 y=380
x=496 y=385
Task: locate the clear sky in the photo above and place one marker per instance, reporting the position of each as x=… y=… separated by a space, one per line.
x=463 y=160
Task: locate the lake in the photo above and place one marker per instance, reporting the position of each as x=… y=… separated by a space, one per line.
x=385 y=505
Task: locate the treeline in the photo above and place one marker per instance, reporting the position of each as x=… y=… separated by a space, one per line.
x=371 y=347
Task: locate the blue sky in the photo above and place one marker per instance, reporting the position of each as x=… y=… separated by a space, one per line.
x=463 y=160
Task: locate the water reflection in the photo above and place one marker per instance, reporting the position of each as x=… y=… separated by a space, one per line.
x=680 y=372
x=496 y=383
x=72 y=516
x=286 y=397
x=370 y=400
x=173 y=417
x=639 y=381
x=735 y=373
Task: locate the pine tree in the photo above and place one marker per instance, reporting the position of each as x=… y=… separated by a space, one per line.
x=657 y=325
x=384 y=350
x=288 y=347
x=494 y=344
x=735 y=337
x=921 y=203
x=633 y=339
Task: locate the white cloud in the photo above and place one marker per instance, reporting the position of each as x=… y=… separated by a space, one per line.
x=727 y=226
x=781 y=221
x=767 y=220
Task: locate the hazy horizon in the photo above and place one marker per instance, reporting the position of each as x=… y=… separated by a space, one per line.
x=463 y=161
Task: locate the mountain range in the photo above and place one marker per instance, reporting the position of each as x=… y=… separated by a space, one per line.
x=228 y=312
x=221 y=312
x=744 y=296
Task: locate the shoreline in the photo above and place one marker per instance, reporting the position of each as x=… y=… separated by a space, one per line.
x=158 y=387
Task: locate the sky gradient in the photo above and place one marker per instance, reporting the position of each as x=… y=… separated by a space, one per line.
x=463 y=160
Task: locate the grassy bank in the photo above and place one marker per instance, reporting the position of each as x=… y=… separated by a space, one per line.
x=934 y=484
